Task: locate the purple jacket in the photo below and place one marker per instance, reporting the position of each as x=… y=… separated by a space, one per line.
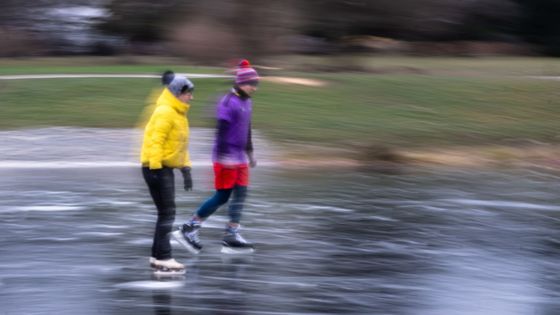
x=233 y=137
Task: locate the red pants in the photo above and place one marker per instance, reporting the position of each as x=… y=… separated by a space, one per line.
x=229 y=176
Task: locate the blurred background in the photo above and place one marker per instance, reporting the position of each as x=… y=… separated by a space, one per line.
x=189 y=29
x=364 y=76
x=408 y=156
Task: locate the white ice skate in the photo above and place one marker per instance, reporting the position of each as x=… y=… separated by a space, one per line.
x=167 y=267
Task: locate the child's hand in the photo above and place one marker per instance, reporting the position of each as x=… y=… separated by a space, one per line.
x=252 y=161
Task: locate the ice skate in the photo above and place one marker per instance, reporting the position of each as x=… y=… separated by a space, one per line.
x=167 y=267
x=187 y=236
x=234 y=243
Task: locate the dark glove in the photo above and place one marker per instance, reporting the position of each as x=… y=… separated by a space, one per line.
x=252 y=161
x=187 y=179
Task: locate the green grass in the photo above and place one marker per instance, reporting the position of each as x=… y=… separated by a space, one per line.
x=454 y=66
x=407 y=110
x=413 y=110
x=84 y=102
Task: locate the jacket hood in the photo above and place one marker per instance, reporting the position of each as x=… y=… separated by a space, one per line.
x=167 y=98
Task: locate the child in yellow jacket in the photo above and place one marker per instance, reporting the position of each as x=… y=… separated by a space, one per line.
x=165 y=148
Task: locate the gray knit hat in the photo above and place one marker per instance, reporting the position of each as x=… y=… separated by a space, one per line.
x=180 y=84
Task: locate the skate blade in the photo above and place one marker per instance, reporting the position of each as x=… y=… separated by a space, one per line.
x=229 y=250
x=179 y=238
x=168 y=273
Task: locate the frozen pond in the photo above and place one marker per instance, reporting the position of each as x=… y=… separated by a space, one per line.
x=75 y=238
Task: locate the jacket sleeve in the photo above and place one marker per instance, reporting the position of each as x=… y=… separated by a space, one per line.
x=221 y=147
x=187 y=162
x=162 y=127
x=249 y=147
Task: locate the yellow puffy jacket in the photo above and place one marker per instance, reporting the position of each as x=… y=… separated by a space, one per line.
x=166 y=136
x=150 y=107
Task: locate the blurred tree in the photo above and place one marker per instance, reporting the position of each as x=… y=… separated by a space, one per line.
x=540 y=24
x=489 y=20
x=48 y=26
x=210 y=30
x=216 y=29
x=410 y=19
x=142 y=20
x=11 y=12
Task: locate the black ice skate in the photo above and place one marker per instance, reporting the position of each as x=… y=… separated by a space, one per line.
x=234 y=243
x=187 y=236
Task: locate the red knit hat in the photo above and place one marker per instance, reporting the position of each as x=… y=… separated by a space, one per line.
x=244 y=64
x=244 y=73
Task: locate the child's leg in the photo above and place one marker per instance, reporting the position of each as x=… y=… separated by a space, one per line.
x=162 y=190
x=211 y=205
x=236 y=205
x=233 y=242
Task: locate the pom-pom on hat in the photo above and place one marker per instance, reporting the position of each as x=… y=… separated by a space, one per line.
x=167 y=77
x=244 y=64
x=245 y=74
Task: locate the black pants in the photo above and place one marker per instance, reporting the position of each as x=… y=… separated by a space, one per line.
x=162 y=189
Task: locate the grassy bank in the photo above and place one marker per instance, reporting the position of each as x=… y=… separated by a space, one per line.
x=95 y=65
x=438 y=107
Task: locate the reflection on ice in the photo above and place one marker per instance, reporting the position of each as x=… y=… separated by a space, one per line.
x=151 y=285
x=86 y=148
x=493 y=286
x=505 y=204
x=50 y=208
x=101 y=234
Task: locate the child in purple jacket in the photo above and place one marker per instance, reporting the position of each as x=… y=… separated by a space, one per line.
x=232 y=156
